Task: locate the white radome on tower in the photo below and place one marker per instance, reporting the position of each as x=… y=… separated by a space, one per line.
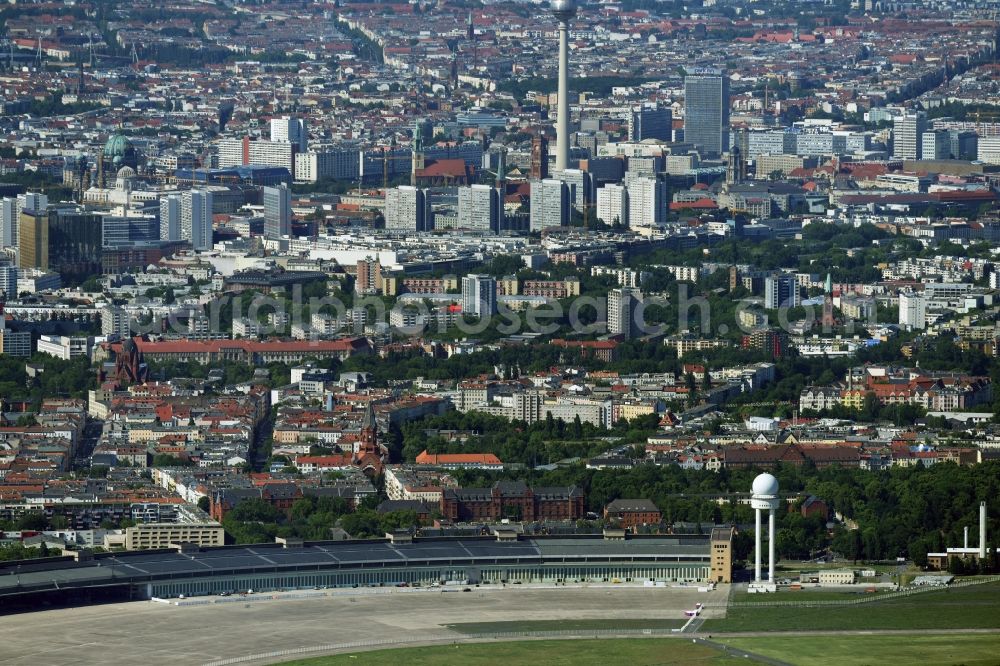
x=764 y=497
x=765 y=484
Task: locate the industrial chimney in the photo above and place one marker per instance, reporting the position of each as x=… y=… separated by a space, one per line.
x=982 y=531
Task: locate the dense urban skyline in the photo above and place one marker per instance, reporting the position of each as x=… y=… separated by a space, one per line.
x=300 y=299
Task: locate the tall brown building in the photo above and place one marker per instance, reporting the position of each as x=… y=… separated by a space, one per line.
x=720 y=568
x=539 y=157
x=369 y=276
x=33 y=239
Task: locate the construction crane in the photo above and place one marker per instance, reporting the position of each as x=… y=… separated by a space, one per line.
x=386 y=158
x=500 y=178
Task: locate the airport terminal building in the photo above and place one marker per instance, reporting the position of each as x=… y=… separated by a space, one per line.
x=506 y=558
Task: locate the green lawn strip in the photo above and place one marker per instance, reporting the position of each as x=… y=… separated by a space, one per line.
x=635 y=652
x=885 y=650
x=976 y=607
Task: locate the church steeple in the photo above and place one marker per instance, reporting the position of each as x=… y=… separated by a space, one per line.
x=369 y=427
x=370 y=456
x=828 y=320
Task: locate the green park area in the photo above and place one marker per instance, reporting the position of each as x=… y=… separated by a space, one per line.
x=885 y=650
x=975 y=607
x=636 y=652
x=942 y=627
x=815 y=650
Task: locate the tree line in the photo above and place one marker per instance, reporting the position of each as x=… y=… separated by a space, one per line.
x=546 y=441
x=312 y=518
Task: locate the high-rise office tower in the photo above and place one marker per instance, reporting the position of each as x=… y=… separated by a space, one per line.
x=479 y=295
x=115 y=321
x=65 y=240
x=277 y=211
x=650 y=121
x=10 y=214
x=706 y=111
x=621 y=311
x=912 y=310
x=549 y=204
x=907 y=132
x=33 y=240
x=196 y=219
x=479 y=208
x=781 y=291
x=368 y=277
x=8 y=280
x=290 y=130
x=935 y=145
x=8 y=222
x=612 y=204
x=32 y=201
x=964 y=144
x=580 y=184
x=122 y=231
x=170 y=217
x=988 y=149
x=406 y=209
x=647 y=202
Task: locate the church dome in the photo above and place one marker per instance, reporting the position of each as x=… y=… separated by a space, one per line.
x=118 y=145
x=119 y=152
x=126 y=172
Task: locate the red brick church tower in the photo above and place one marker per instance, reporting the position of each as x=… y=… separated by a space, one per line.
x=371 y=455
x=828 y=320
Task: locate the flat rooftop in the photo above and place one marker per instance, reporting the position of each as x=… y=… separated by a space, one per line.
x=142 y=566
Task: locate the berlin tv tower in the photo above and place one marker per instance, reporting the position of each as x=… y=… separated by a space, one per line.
x=564 y=11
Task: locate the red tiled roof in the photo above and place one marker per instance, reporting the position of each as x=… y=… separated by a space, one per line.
x=457 y=459
x=705 y=204
x=445 y=167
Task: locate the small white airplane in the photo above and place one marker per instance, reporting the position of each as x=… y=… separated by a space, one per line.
x=695 y=612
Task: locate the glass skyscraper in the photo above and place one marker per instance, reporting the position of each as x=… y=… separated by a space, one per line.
x=277 y=211
x=64 y=240
x=706 y=111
